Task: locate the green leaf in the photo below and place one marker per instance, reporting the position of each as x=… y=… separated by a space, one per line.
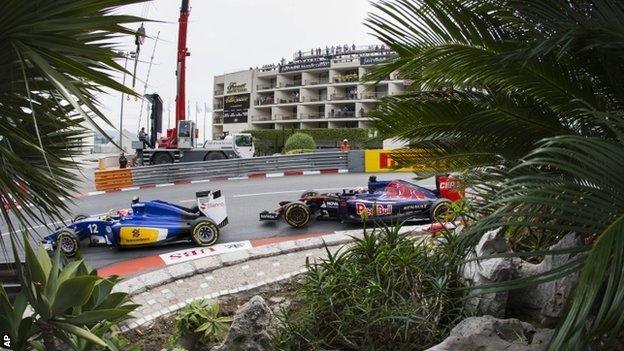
x=79 y=332
x=92 y=317
x=73 y=292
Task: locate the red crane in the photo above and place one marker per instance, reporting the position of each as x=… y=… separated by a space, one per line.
x=171 y=140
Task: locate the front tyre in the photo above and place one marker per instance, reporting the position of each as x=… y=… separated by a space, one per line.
x=297 y=214
x=204 y=232
x=67 y=242
x=441 y=212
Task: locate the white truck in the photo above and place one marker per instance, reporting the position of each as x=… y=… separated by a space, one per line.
x=238 y=145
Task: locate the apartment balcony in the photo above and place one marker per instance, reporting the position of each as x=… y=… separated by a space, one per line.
x=347 y=97
x=218 y=92
x=292 y=84
x=284 y=117
x=342 y=114
x=313 y=98
x=265 y=86
x=218 y=106
x=265 y=101
x=316 y=81
x=288 y=101
x=373 y=95
x=347 y=78
x=260 y=118
x=312 y=116
x=217 y=120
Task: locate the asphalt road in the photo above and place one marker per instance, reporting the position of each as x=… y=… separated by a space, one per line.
x=244 y=200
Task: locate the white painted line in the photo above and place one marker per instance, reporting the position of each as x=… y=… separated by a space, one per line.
x=274 y=175
x=311 y=172
x=282 y=192
x=343 y=171
x=96 y=193
x=238 y=178
x=164 y=185
x=200 y=181
x=185 y=201
x=131 y=188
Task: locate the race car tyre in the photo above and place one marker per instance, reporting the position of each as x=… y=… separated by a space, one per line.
x=204 y=232
x=67 y=242
x=215 y=155
x=80 y=217
x=161 y=158
x=438 y=211
x=308 y=193
x=297 y=214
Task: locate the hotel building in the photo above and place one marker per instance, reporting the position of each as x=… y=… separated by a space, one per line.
x=320 y=88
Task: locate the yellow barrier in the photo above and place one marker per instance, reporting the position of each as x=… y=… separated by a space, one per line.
x=380 y=161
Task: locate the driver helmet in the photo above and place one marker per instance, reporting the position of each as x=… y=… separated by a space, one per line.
x=135 y=199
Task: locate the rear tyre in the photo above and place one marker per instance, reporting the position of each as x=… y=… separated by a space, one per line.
x=309 y=193
x=67 y=242
x=162 y=158
x=204 y=232
x=297 y=214
x=439 y=211
x=213 y=156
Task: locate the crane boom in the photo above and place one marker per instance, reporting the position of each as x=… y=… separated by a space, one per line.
x=171 y=140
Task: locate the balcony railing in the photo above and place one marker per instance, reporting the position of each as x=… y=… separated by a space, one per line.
x=218 y=92
x=284 y=117
x=218 y=106
x=217 y=120
x=373 y=96
x=335 y=97
x=341 y=114
x=313 y=98
x=347 y=78
x=265 y=86
x=260 y=118
x=296 y=83
x=288 y=101
x=312 y=116
x=266 y=101
x=317 y=81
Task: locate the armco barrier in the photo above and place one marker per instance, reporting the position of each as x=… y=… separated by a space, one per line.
x=9 y=280
x=172 y=173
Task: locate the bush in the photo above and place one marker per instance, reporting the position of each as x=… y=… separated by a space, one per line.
x=299 y=151
x=270 y=141
x=201 y=319
x=386 y=292
x=299 y=141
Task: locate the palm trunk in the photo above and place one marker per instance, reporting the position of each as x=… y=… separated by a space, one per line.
x=49 y=343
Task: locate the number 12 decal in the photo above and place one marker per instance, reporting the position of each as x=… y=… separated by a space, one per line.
x=93 y=228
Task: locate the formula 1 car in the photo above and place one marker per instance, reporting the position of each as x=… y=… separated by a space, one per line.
x=386 y=201
x=146 y=223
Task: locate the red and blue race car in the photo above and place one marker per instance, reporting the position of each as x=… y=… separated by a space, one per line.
x=384 y=200
x=146 y=223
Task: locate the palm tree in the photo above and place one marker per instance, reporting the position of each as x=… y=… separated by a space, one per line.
x=56 y=57
x=525 y=98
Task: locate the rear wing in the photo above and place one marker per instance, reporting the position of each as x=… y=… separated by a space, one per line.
x=212 y=205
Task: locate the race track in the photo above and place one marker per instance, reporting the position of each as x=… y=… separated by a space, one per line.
x=244 y=198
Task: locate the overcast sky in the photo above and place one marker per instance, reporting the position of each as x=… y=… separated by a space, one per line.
x=231 y=35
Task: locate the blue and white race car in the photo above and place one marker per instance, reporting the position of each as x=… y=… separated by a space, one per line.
x=146 y=223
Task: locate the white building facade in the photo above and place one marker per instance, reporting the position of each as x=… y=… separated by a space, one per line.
x=320 y=88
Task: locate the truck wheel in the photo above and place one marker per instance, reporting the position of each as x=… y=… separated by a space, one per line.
x=297 y=214
x=439 y=209
x=161 y=158
x=204 y=232
x=215 y=155
x=67 y=242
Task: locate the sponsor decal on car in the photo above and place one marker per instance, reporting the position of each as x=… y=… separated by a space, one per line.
x=141 y=235
x=408 y=208
x=374 y=209
x=329 y=204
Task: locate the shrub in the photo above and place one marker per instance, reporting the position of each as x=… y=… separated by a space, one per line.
x=299 y=151
x=272 y=140
x=299 y=141
x=386 y=292
x=201 y=318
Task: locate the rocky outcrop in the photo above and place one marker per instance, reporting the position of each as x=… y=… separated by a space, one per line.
x=250 y=328
x=487 y=333
x=484 y=272
x=545 y=302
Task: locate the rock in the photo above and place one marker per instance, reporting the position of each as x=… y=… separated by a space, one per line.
x=487 y=333
x=277 y=299
x=249 y=330
x=486 y=272
x=545 y=302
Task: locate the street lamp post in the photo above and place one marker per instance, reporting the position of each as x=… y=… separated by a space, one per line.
x=121 y=112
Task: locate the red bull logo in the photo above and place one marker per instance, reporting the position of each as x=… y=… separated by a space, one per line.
x=374 y=210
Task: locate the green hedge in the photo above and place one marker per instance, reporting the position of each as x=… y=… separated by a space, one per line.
x=270 y=141
x=298 y=141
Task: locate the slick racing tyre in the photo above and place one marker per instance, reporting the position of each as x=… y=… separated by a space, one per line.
x=204 y=232
x=67 y=242
x=297 y=214
x=80 y=217
x=440 y=211
x=308 y=193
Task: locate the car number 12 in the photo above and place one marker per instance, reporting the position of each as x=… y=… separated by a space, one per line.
x=93 y=228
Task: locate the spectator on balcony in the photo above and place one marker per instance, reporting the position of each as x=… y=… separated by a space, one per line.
x=345 y=147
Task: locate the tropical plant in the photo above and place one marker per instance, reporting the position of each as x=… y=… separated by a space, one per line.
x=388 y=291
x=524 y=98
x=69 y=302
x=56 y=57
x=299 y=141
x=201 y=319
